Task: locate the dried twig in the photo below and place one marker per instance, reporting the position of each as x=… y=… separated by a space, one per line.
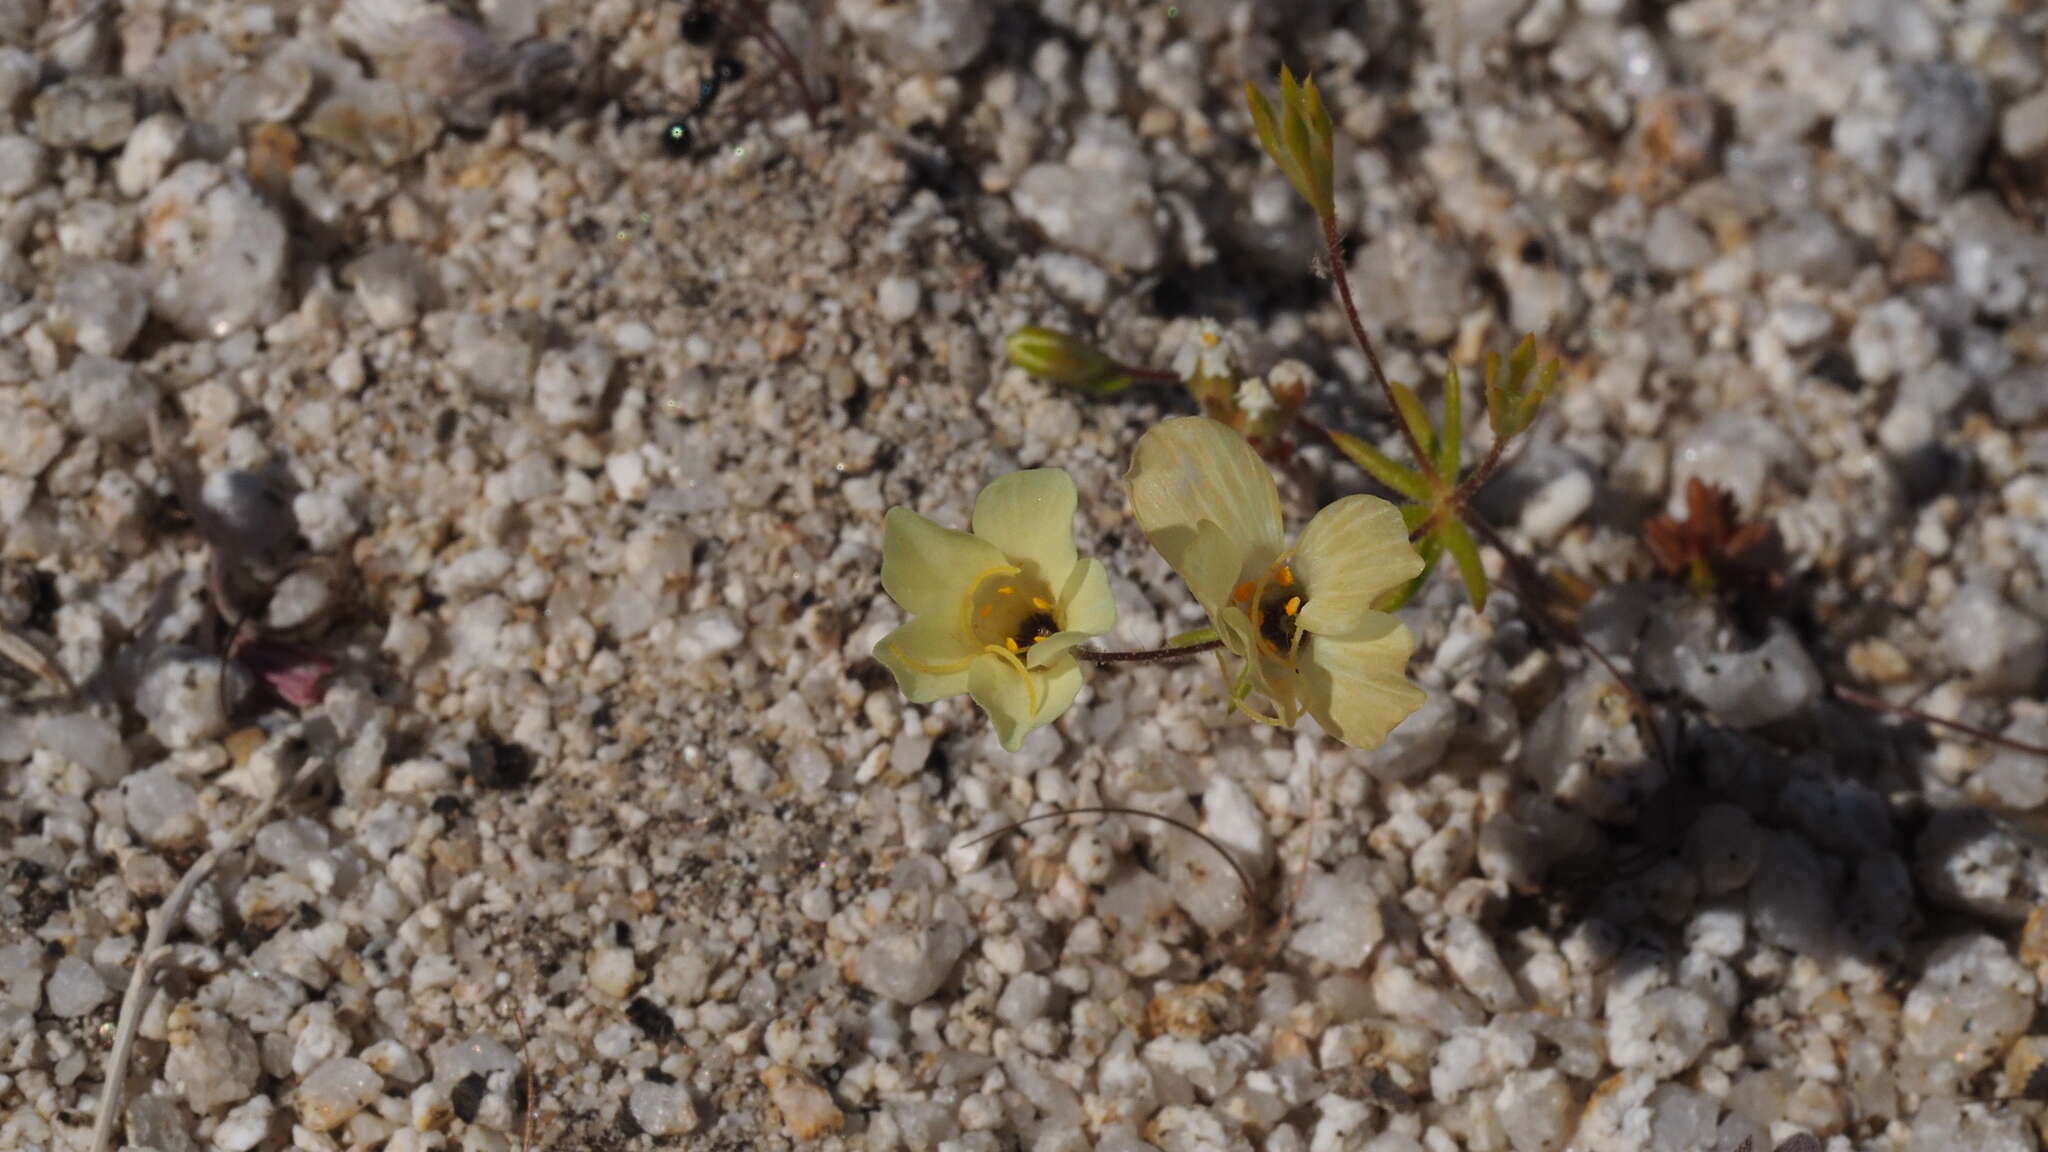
x=155 y=950
x=525 y=1058
x=1872 y=703
x=1243 y=878
x=20 y=650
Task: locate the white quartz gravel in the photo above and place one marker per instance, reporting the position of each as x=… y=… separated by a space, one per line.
x=379 y=402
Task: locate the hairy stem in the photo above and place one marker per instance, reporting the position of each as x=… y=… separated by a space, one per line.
x=1147 y=375
x=1146 y=656
x=1334 y=246
x=1454 y=504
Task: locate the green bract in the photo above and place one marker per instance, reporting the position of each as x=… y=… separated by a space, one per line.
x=1300 y=141
x=1066 y=360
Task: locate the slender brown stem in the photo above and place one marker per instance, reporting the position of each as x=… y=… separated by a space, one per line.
x=1147 y=375
x=1879 y=704
x=1243 y=878
x=1147 y=656
x=758 y=26
x=1533 y=584
x=1334 y=245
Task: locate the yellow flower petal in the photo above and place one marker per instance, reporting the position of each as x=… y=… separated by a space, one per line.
x=1352 y=552
x=1357 y=686
x=1211 y=566
x=1086 y=603
x=931 y=570
x=929 y=657
x=1018 y=700
x=1193 y=469
x=1030 y=517
x=1087 y=608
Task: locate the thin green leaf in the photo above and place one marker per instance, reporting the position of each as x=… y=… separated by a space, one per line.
x=1457 y=540
x=1262 y=121
x=1300 y=153
x=1381 y=467
x=1322 y=151
x=1452 y=442
x=1546 y=381
x=1496 y=397
x=1414 y=415
x=1521 y=361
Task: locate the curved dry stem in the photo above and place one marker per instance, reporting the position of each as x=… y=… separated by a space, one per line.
x=19 y=650
x=155 y=950
x=1873 y=703
x=1244 y=879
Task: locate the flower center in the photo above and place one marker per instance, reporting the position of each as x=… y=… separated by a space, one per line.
x=1013 y=611
x=1273 y=601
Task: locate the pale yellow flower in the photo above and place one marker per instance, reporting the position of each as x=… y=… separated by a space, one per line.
x=995 y=613
x=1302 y=617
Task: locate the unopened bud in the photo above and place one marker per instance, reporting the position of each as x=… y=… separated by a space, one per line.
x=1066 y=360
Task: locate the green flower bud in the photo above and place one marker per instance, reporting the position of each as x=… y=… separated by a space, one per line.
x=1066 y=360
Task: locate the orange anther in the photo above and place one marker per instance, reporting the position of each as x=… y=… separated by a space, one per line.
x=1242 y=592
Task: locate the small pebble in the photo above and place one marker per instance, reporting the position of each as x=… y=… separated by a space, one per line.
x=75 y=988
x=2001 y=647
x=102 y=305
x=335 y=1091
x=909 y=966
x=662 y=1109
x=22 y=165
x=808 y=1112
x=245 y=1126
x=89 y=113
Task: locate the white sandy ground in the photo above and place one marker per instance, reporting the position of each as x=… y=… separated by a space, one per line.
x=574 y=457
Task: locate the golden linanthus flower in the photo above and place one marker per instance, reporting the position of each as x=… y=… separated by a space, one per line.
x=1301 y=617
x=995 y=612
